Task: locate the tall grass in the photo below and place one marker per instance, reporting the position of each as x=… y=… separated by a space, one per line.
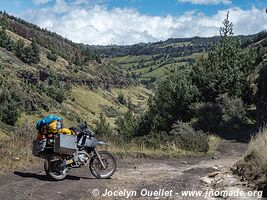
x=143 y=148
x=253 y=166
x=15 y=149
x=257 y=150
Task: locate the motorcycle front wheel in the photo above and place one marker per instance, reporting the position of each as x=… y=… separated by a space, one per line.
x=98 y=170
x=54 y=168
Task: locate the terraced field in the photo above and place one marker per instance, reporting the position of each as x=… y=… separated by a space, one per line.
x=152 y=67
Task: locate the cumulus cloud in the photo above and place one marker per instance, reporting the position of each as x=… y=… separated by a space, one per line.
x=206 y=2
x=94 y=24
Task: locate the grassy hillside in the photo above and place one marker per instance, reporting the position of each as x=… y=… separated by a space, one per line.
x=42 y=73
x=75 y=89
x=150 y=62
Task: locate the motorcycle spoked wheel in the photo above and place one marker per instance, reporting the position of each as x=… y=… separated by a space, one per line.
x=53 y=168
x=97 y=169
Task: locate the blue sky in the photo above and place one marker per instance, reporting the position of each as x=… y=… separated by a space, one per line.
x=133 y=21
x=149 y=7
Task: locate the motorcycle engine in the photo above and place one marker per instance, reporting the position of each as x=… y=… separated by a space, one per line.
x=83 y=158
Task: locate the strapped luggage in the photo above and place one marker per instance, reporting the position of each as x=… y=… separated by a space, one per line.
x=49 y=124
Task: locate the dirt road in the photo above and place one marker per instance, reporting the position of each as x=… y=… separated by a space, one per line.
x=137 y=176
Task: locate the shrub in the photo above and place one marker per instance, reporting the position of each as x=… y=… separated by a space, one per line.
x=225 y=113
x=126 y=125
x=52 y=56
x=209 y=116
x=121 y=99
x=109 y=110
x=28 y=54
x=130 y=104
x=153 y=79
x=154 y=140
x=233 y=112
x=187 y=138
x=102 y=127
x=59 y=94
x=9 y=113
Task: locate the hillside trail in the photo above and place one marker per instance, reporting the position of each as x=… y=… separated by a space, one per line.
x=138 y=177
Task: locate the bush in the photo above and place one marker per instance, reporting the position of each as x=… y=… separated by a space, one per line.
x=126 y=125
x=209 y=116
x=154 y=140
x=102 y=127
x=28 y=54
x=9 y=113
x=187 y=138
x=130 y=104
x=59 y=94
x=225 y=113
x=52 y=56
x=233 y=111
x=109 y=111
x=121 y=99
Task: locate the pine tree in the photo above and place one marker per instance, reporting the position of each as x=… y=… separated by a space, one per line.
x=227 y=28
x=34 y=53
x=226 y=68
x=19 y=49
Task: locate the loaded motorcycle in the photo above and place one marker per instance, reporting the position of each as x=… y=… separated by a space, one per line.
x=64 y=152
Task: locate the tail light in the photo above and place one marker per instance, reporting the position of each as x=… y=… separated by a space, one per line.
x=41 y=137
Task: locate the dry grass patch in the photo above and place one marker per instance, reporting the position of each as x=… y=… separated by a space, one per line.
x=257 y=150
x=16 y=153
x=253 y=167
x=16 y=148
x=214 y=142
x=140 y=150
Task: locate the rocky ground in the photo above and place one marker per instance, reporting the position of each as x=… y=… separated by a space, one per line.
x=163 y=179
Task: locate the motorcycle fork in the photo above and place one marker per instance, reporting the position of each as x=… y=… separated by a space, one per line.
x=98 y=156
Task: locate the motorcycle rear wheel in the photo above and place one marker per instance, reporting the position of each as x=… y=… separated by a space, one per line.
x=53 y=169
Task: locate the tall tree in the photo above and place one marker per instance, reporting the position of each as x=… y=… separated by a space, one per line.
x=34 y=53
x=172 y=101
x=226 y=69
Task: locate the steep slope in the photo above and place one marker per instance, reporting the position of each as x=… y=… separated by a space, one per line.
x=64 y=79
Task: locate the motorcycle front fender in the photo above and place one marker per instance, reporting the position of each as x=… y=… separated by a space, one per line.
x=91 y=142
x=103 y=143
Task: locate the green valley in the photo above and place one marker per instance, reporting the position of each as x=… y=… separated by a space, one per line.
x=150 y=62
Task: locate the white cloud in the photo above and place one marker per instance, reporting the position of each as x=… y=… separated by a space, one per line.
x=99 y=25
x=206 y=2
x=40 y=1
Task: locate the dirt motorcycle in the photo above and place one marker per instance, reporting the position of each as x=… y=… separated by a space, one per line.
x=64 y=152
